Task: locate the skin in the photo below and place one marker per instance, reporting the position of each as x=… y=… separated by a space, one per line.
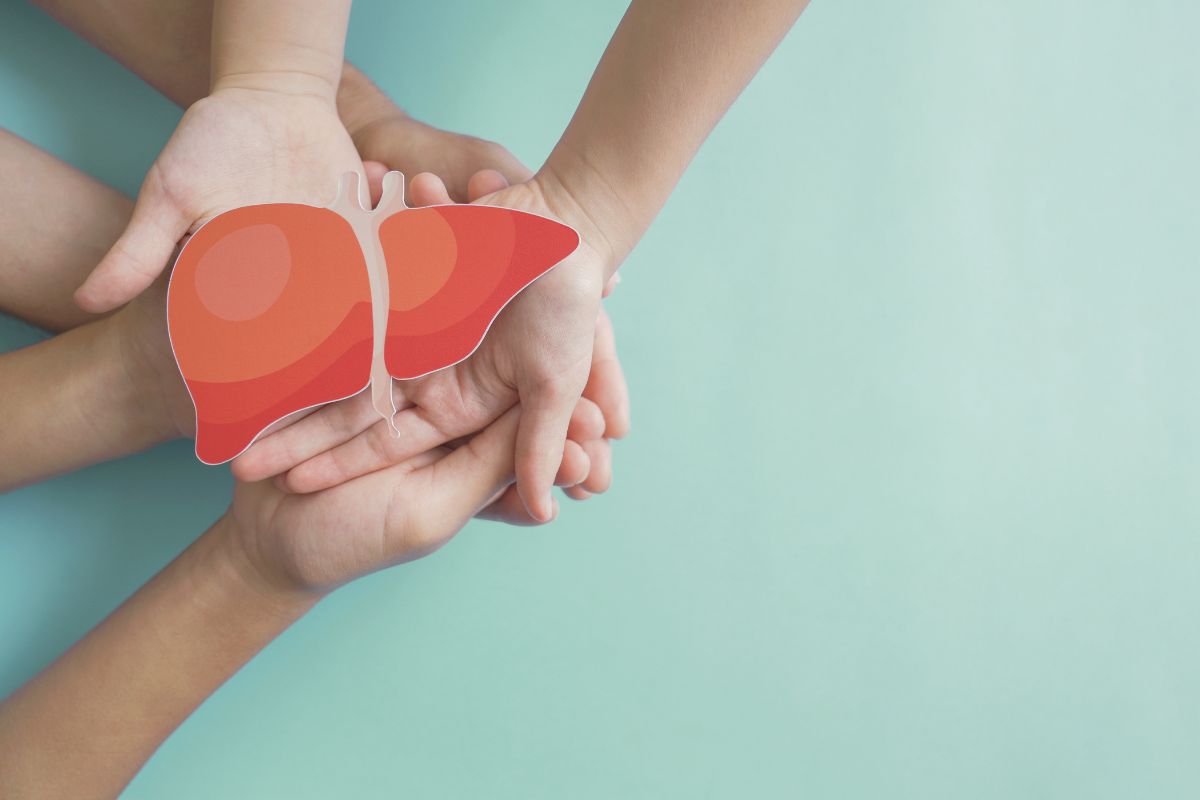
x=167 y=43
x=267 y=131
x=262 y=566
x=275 y=554
x=445 y=405
x=650 y=105
x=108 y=386
x=273 y=112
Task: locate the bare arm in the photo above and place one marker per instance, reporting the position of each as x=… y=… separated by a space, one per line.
x=85 y=725
x=294 y=46
x=669 y=74
x=171 y=44
x=167 y=44
x=71 y=401
x=57 y=223
x=92 y=393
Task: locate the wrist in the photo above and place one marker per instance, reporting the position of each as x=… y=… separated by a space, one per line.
x=278 y=82
x=581 y=196
x=148 y=385
x=239 y=556
x=135 y=388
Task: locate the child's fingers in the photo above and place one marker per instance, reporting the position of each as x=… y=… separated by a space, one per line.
x=483 y=183
x=545 y=413
x=462 y=482
x=587 y=421
x=375 y=170
x=599 y=477
x=507 y=506
x=140 y=255
x=606 y=385
x=509 y=509
x=577 y=493
x=314 y=434
x=575 y=465
x=373 y=449
x=427 y=189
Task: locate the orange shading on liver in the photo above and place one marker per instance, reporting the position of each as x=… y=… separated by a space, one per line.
x=270 y=307
x=451 y=269
x=269 y=313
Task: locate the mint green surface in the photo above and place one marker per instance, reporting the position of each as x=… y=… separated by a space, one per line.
x=910 y=506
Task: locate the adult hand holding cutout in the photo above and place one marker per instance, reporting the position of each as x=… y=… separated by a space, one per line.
x=316 y=542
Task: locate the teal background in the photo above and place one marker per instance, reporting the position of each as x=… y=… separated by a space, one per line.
x=909 y=509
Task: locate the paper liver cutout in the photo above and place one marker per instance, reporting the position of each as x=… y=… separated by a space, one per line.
x=276 y=308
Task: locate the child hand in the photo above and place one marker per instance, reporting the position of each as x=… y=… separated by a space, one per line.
x=234 y=148
x=552 y=356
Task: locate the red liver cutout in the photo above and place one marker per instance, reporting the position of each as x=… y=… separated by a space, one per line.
x=270 y=307
x=269 y=312
x=451 y=269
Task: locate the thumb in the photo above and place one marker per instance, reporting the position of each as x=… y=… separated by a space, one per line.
x=141 y=253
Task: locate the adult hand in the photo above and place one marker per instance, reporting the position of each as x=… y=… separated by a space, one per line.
x=316 y=542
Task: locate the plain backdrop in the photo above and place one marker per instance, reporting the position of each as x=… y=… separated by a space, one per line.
x=910 y=505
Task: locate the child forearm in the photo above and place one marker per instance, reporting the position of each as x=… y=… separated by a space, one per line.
x=85 y=725
x=168 y=44
x=295 y=46
x=669 y=74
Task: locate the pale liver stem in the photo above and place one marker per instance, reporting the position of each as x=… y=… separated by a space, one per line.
x=352 y=203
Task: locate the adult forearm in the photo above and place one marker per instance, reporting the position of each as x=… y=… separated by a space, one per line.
x=85 y=725
x=72 y=401
x=57 y=224
x=164 y=42
x=670 y=72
